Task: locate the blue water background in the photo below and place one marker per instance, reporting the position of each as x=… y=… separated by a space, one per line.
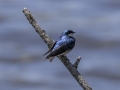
x=97 y=23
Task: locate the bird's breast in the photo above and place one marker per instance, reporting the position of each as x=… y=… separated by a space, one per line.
x=66 y=52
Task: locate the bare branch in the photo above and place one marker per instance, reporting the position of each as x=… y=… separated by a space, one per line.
x=77 y=62
x=37 y=28
x=50 y=42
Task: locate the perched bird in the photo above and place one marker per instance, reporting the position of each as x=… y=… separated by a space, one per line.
x=62 y=46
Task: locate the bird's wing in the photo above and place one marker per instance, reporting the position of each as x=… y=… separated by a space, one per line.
x=62 y=47
x=57 y=51
x=50 y=49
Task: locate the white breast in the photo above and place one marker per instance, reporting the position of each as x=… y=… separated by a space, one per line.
x=65 y=52
x=71 y=35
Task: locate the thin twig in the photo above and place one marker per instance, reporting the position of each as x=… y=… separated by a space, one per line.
x=77 y=62
x=50 y=42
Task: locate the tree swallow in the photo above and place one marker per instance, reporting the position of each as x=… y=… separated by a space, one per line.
x=62 y=46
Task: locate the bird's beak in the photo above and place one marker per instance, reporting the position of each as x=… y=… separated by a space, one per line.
x=74 y=32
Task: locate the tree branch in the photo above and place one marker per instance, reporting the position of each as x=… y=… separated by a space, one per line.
x=77 y=62
x=73 y=70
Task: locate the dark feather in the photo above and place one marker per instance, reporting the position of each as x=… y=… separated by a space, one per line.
x=62 y=46
x=50 y=49
x=56 y=52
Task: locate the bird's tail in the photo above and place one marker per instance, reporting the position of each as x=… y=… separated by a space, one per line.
x=50 y=58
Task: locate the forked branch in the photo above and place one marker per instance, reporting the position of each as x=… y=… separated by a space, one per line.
x=77 y=62
x=72 y=68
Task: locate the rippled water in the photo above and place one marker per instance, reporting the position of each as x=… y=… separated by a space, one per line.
x=97 y=23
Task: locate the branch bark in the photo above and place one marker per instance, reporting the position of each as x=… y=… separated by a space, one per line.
x=72 y=68
x=77 y=62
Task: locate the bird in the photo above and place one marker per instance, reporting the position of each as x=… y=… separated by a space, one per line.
x=62 y=46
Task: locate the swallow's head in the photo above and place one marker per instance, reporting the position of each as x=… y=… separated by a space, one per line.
x=68 y=33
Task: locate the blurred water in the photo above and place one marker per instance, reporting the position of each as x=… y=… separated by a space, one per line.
x=97 y=23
